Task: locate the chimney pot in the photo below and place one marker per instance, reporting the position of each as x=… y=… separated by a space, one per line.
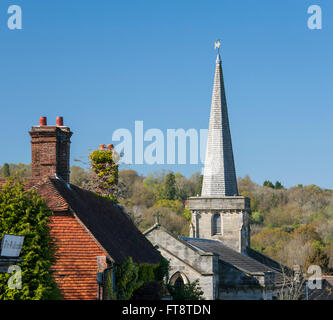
x=59 y=121
x=101 y=146
x=110 y=146
x=42 y=121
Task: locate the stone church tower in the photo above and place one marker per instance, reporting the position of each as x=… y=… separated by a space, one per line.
x=220 y=213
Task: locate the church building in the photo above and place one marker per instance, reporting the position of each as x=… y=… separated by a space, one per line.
x=217 y=251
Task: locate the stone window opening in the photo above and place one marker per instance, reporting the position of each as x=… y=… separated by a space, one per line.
x=216 y=224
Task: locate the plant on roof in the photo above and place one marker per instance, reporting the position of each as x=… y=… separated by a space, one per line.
x=104 y=169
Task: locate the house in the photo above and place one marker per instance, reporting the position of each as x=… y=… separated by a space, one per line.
x=90 y=232
x=217 y=251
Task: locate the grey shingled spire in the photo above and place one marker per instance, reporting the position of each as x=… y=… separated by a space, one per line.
x=219 y=173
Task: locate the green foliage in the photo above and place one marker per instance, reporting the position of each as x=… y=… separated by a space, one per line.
x=257 y=217
x=190 y=291
x=187 y=214
x=172 y=214
x=162 y=271
x=109 y=286
x=275 y=186
x=269 y=184
x=105 y=173
x=127 y=280
x=103 y=165
x=19 y=170
x=278 y=185
x=174 y=205
x=169 y=187
x=268 y=239
x=146 y=272
x=131 y=278
x=79 y=176
x=143 y=197
x=318 y=257
x=5 y=170
x=278 y=214
x=25 y=213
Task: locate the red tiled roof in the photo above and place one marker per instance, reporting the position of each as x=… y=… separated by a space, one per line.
x=75 y=269
x=107 y=223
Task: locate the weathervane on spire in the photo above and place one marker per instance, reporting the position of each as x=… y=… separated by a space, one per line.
x=217 y=45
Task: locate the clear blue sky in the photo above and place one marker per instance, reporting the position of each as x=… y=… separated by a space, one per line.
x=104 y=64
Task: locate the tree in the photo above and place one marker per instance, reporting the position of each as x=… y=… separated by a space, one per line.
x=318 y=257
x=18 y=170
x=169 y=187
x=293 y=285
x=278 y=185
x=127 y=280
x=257 y=217
x=190 y=291
x=128 y=178
x=79 y=176
x=5 y=170
x=269 y=184
x=197 y=178
x=25 y=213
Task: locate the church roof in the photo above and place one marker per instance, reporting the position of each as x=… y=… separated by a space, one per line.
x=240 y=261
x=219 y=178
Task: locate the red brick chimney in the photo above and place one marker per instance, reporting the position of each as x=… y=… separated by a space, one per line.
x=50 y=149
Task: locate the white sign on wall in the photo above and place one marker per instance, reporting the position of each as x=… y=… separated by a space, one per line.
x=11 y=245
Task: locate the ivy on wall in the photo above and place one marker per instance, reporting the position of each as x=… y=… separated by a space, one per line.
x=25 y=213
x=134 y=280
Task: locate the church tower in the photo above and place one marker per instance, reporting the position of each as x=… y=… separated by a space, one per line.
x=220 y=213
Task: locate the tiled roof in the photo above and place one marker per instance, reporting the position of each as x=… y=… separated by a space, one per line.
x=107 y=223
x=75 y=268
x=232 y=257
x=263 y=259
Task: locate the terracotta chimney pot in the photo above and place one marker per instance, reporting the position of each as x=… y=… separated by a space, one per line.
x=42 y=121
x=59 y=121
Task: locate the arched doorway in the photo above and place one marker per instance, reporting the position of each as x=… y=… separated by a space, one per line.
x=179 y=282
x=178 y=279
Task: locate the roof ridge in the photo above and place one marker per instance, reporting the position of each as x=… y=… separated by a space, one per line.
x=55 y=202
x=225 y=247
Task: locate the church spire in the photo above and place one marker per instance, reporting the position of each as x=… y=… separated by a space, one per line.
x=219 y=177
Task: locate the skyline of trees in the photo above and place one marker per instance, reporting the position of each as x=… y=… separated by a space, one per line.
x=291 y=225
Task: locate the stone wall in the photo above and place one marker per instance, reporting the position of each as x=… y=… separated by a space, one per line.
x=193 y=264
x=234 y=213
x=236 y=285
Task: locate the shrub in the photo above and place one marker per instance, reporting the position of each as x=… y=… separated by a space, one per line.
x=25 y=213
